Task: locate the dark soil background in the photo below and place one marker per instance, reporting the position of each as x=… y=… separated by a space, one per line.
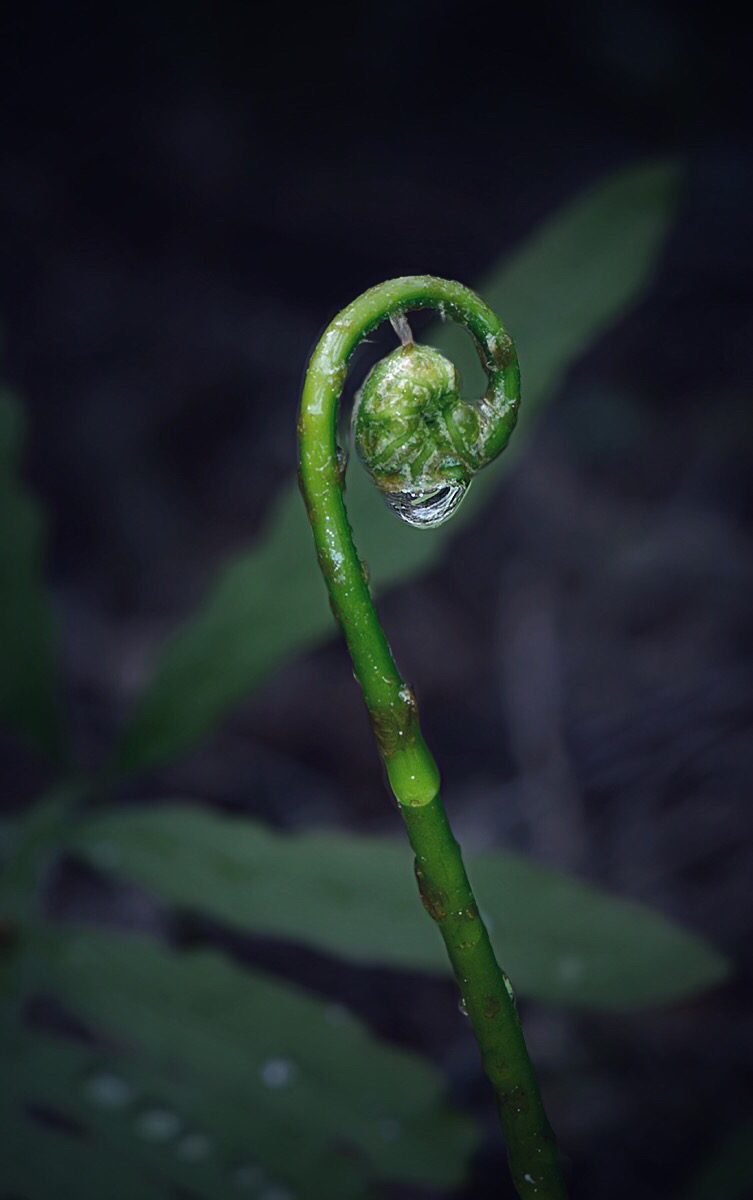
x=188 y=193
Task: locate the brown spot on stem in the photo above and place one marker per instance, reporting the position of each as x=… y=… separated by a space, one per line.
x=491 y=1007
x=434 y=900
x=395 y=725
x=505 y=352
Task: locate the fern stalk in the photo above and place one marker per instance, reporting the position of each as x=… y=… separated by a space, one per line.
x=422 y=444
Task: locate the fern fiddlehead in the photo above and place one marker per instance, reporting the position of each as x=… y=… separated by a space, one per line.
x=422 y=443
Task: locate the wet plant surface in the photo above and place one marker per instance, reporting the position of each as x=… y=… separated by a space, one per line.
x=581 y=653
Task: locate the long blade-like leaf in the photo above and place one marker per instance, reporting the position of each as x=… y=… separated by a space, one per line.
x=560 y=940
x=203 y=1074
x=559 y=292
x=39 y=1161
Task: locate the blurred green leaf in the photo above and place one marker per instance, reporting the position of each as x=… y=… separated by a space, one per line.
x=28 y=846
x=41 y=1162
x=28 y=692
x=728 y=1170
x=567 y=284
x=559 y=940
x=204 y=1074
x=166 y=1128
x=266 y=606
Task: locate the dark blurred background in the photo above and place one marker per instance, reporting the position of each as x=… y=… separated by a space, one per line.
x=188 y=194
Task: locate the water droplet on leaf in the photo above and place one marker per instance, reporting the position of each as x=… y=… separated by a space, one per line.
x=426 y=509
x=193 y=1147
x=108 y=1090
x=157 y=1124
x=247 y=1175
x=462 y=1007
x=277 y=1072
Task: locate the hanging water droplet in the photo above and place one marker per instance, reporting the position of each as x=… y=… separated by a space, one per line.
x=193 y=1147
x=462 y=1007
x=247 y=1176
x=426 y=509
x=277 y=1072
x=157 y=1124
x=108 y=1090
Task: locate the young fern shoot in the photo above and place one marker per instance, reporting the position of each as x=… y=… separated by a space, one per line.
x=422 y=444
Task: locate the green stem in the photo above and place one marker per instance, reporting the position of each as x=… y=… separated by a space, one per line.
x=413 y=774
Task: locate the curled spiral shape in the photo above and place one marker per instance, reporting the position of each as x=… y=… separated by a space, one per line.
x=418 y=439
x=422 y=444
